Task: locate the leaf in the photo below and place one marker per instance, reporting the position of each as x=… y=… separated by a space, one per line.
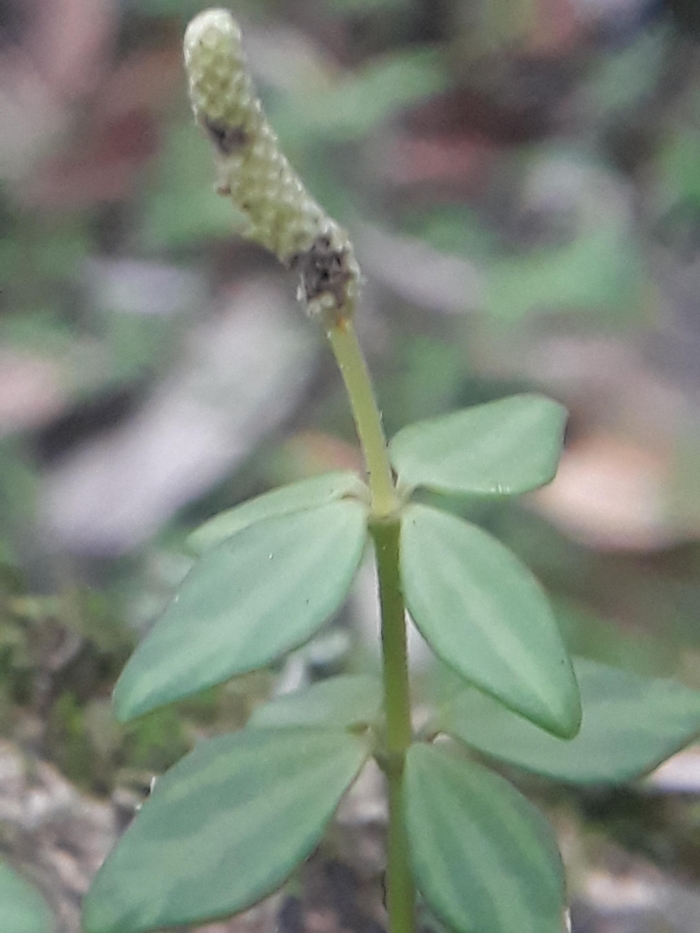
x=601 y=269
x=180 y=207
x=503 y=448
x=306 y=494
x=247 y=602
x=352 y=106
x=22 y=908
x=343 y=701
x=627 y=77
x=223 y=828
x=630 y=725
x=451 y=228
x=483 y=613
x=679 y=173
x=484 y=858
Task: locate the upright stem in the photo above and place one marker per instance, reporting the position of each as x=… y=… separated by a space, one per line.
x=368 y=422
x=385 y=528
x=397 y=702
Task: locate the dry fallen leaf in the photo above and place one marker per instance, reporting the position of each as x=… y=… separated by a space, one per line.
x=609 y=493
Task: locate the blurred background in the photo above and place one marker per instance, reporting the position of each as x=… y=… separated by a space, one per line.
x=522 y=181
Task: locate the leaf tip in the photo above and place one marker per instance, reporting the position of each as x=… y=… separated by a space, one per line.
x=566 y=722
x=126 y=704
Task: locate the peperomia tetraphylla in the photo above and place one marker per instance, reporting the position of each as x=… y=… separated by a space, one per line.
x=228 y=824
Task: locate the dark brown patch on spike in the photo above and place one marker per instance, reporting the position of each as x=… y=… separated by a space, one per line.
x=227 y=139
x=324 y=270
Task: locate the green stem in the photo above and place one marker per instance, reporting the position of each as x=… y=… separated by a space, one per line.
x=394 y=646
x=397 y=704
x=368 y=421
x=385 y=528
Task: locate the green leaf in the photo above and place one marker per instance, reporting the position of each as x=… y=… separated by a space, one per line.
x=484 y=858
x=627 y=77
x=223 y=828
x=248 y=601
x=347 y=700
x=180 y=207
x=22 y=908
x=451 y=228
x=601 y=269
x=679 y=171
x=483 y=613
x=351 y=107
x=630 y=725
x=503 y=448
x=306 y=494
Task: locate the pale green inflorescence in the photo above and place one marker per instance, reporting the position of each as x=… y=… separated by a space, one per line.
x=281 y=214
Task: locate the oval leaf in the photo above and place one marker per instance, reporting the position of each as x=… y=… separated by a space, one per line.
x=483 y=613
x=483 y=857
x=223 y=828
x=248 y=601
x=22 y=908
x=503 y=448
x=630 y=725
x=343 y=701
x=306 y=494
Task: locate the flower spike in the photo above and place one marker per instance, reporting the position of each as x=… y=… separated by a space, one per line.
x=281 y=214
